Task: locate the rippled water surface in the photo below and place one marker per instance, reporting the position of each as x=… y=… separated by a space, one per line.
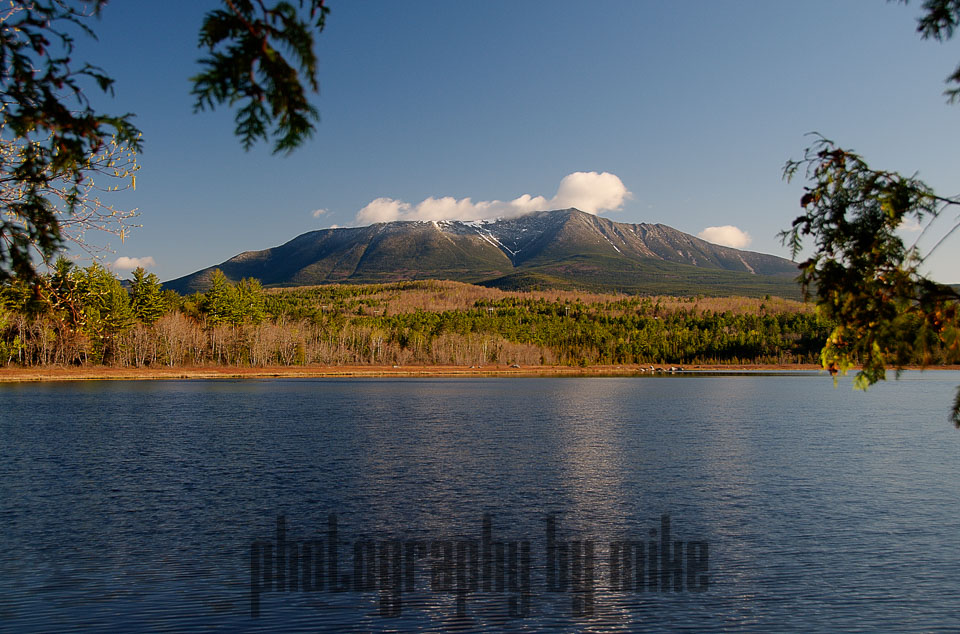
x=135 y=505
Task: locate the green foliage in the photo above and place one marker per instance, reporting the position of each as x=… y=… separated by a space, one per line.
x=10 y=343
x=52 y=140
x=630 y=330
x=245 y=65
x=79 y=314
x=250 y=301
x=172 y=300
x=106 y=311
x=226 y=303
x=887 y=313
x=387 y=323
x=220 y=301
x=50 y=129
x=147 y=298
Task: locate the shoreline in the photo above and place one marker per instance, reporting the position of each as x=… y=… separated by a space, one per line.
x=99 y=373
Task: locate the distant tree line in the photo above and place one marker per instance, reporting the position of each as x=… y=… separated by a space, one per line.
x=86 y=316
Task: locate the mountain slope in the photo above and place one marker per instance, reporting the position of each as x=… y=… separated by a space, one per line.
x=564 y=248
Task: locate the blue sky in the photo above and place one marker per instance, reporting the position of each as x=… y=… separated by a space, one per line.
x=694 y=105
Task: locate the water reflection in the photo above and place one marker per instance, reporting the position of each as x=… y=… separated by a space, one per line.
x=133 y=505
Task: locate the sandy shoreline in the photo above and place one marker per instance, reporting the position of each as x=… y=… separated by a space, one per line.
x=13 y=375
x=229 y=372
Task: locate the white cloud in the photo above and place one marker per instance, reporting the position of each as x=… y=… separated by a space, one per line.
x=591 y=192
x=128 y=264
x=382 y=210
x=727 y=235
x=316 y=213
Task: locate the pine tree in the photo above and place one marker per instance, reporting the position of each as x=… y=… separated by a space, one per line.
x=106 y=309
x=147 y=297
x=219 y=303
x=250 y=300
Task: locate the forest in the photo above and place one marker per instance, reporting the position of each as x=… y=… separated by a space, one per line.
x=83 y=316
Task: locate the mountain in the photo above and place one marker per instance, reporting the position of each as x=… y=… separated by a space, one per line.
x=559 y=249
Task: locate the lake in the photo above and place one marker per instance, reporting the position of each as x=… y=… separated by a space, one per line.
x=701 y=503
